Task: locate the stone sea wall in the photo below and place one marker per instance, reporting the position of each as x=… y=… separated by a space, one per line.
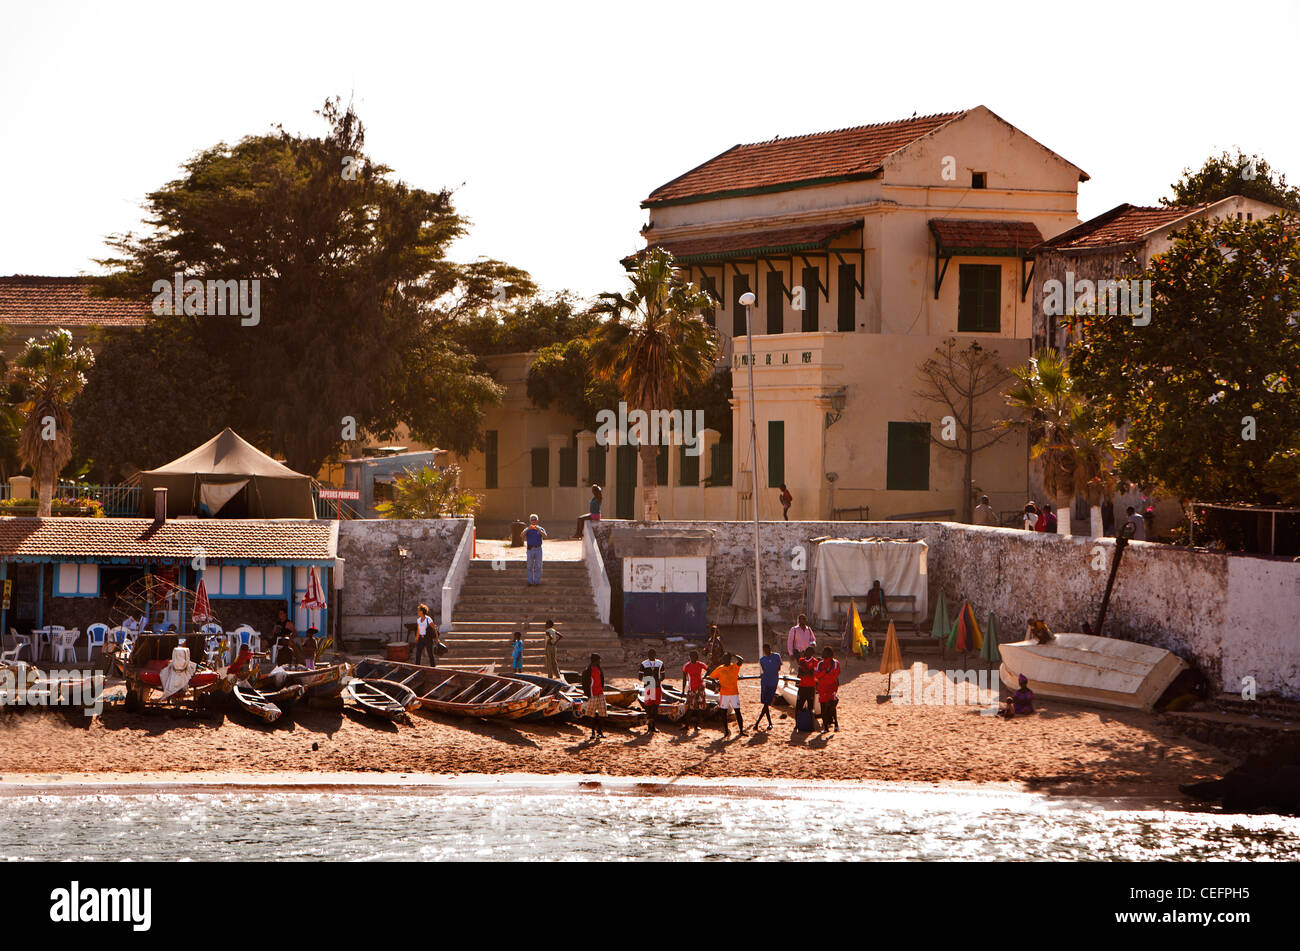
x=1232 y=616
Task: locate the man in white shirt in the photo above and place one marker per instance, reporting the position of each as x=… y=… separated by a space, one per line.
x=1139 y=525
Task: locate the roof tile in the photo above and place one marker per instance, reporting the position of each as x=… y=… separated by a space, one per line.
x=65 y=302
x=1123 y=224
x=957 y=234
x=176 y=539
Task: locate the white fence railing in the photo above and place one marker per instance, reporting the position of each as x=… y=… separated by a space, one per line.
x=456 y=573
x=596 y=571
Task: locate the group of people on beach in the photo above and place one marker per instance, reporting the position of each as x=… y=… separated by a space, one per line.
x=818 y=680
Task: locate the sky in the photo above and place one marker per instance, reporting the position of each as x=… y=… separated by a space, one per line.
x=552 y=121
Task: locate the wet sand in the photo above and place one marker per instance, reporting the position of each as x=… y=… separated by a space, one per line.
x=1064 y=749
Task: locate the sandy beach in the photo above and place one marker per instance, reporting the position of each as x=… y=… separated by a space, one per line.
x=1065 y=749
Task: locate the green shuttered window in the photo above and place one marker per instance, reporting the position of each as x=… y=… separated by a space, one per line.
x=847 y=299
x=541 y=468
x=908 y=464
x=740 y=286
x=775 y=302
x=979 y=301
x=490 y=459
x=811 y=300
x=775 y=453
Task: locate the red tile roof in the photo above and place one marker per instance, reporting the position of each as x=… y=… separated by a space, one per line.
x=845 y=153
x=176 y=539
x=1123 y=224
x=967 y=234
x=770 y=241
x=65 y=302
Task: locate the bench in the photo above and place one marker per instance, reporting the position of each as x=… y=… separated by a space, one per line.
x=901 y=608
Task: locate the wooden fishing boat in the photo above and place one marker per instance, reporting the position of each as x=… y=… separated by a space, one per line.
x=554 y=700
x=323 y=681
x=618 y=696
x=457 y=692
x=382 y=698
x=151 y=653
x=1090 y=669
x=265 y=706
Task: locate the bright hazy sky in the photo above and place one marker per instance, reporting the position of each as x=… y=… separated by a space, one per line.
x=552 y=120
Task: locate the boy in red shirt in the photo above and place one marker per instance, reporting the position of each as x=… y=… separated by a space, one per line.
x=828 y=689
x=693 y=686
x=593 y=685
x=807 y=682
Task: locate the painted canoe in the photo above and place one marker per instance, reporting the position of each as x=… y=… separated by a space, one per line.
x=618 y=696
x=382 y=698
x=322 y=681
x=554 y=700
x=1090 y=669
x=266 y=706
x=457 y=692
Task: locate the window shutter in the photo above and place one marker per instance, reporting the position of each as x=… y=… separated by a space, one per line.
x=741 y=286
x=541 y=468
x=688 y=467
x=979 y=300
x=812 y=299
x=775 y=302
x=847 y=299
x=908 y=462
x=775 y=453
x=490 y=459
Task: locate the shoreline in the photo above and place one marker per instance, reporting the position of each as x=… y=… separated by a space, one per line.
x=359 y=783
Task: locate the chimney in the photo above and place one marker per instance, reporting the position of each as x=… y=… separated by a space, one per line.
x=159 y=505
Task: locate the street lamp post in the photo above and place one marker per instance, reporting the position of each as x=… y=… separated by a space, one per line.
x=748 y=300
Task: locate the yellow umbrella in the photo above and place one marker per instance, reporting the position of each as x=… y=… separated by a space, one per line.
x=892 y=658
x=860 y=644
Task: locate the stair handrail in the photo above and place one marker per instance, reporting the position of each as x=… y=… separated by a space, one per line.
x=595 y=563
x=451 y=585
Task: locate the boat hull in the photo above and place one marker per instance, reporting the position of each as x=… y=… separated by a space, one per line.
x=458 y=693
x=1085 y=668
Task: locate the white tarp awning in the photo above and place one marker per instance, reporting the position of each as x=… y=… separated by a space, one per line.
x=214 y=495
x=850 y=567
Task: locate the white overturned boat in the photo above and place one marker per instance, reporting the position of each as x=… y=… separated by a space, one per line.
x=1090 y=669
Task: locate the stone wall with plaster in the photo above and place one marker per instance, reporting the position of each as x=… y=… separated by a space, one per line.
x=371 y=588
x=1231 y=616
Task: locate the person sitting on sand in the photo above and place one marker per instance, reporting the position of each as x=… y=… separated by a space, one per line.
x=1020 y=703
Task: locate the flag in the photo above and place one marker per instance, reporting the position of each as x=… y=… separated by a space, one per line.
x=314 y=599
x=202 y=609
x=942 y=625
x=892 y=658
x=990 y=650
x=859 y=642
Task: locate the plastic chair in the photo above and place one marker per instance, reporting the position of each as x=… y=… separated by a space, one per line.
x=65 y=645
x=96 y=635
x=245 y=636
x=20 y=643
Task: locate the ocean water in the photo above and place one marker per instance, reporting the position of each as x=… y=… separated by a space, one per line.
x=621 y=820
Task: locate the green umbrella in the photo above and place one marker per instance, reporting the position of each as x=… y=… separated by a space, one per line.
x=941 y=626
x=990 y=650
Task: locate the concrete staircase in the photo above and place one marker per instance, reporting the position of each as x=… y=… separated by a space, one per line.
x=496 y=601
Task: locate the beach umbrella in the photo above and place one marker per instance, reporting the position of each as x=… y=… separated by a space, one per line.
x=942 y=625
x=860 y=644
x=990 y=650
x=314 y=599
x=202 y=609
x=966 y=634
x=892 y=658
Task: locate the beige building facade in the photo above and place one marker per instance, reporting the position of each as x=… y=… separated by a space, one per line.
x=866 y=248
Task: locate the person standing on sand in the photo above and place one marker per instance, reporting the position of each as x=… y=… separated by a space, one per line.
x=534 y=535
x=593 y=686
x=713 y=647
x=801 y=638
x=553 y=638
x=426 y=635
x=828 y=689
x=652 y=675
x=728 y=677
x=769 y=679
x=693 y=672
x=517 y=653
x=593 y=510
x=807 y=683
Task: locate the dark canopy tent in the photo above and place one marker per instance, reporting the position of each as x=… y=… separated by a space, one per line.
x=227 y=473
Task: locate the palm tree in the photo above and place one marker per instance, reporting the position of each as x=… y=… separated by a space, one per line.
x=429 y=492
x=652 y=347
x=1072 y=444
x=51 y=372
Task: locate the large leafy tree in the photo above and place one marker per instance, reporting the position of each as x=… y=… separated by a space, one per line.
x=1225 y=175
x=1066 y=434
x=51 y=372
x=357 y=298
x=959 y=380
x=653 y=346
x=1208 y=389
